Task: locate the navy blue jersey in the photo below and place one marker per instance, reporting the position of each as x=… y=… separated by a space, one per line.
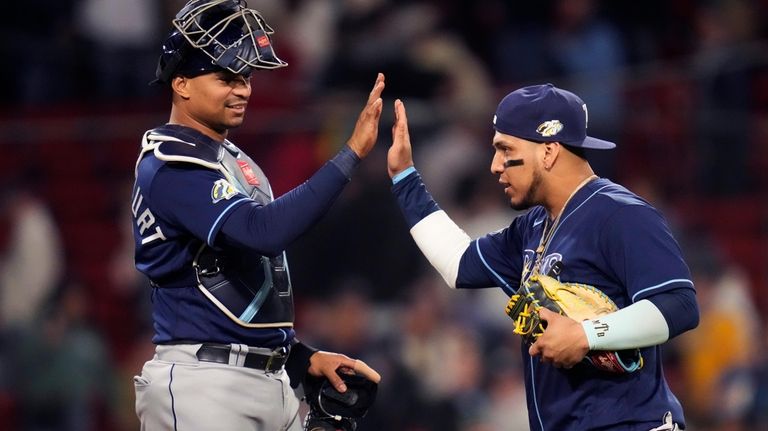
x=178 y=207
x=608 y=238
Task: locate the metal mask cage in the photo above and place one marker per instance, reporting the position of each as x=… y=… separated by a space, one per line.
x=203 y=24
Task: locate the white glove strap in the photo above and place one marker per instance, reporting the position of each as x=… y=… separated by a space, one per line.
x=638 y=325
x=442 y=242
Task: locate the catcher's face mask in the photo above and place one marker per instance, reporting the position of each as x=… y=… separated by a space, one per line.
x=211 y=35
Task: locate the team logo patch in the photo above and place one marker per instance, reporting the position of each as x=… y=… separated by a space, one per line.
x=549 y=128
x=250 y=177
x=222 y=190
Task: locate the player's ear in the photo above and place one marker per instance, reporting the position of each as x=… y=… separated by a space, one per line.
x=180 y=86
x=551 y=151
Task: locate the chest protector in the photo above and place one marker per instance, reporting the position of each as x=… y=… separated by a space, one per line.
x=251 y=289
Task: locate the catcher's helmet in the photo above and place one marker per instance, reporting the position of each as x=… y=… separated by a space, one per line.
x=213 y=35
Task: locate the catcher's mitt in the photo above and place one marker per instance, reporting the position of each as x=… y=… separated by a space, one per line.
x=577 y=301
x=331 y=410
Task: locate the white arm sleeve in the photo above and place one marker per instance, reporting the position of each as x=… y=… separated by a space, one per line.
x=442 y=242
x=639 y=325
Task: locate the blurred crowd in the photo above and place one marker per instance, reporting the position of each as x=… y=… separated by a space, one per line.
x=680 y=85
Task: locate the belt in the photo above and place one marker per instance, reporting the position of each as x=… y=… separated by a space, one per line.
x=219 y=353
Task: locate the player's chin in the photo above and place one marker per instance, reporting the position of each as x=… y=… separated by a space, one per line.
x=514 y=200
x=233 y=122
x=519 y=204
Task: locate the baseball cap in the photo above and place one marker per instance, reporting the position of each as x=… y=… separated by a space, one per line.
x=545 y=113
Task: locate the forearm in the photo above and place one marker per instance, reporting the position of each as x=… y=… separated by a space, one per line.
x=663 y=316
x=620 y=330
x=270 y=228
x=440 y=240
x=443 y=243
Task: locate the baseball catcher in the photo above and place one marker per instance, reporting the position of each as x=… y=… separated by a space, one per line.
x=210 y=235
x=577 y=301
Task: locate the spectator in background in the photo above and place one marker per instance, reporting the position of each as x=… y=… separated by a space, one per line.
x=120 y=37
x=65 y=377
x=724 y=70
x=373 y=36
x=589 y=54
x=571 y=43
x=32 y=263
x=37 y=51
x=506 y=404
x=757 y=412
x=728 y=316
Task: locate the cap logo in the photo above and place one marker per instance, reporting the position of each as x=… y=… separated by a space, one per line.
x=494 y=120
x=549 y=128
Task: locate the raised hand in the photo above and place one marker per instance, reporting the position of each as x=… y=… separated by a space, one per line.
x=367 y=127
x=400 y=155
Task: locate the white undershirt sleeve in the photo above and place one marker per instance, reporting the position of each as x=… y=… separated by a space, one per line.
x=442 y=242
x=638 y=325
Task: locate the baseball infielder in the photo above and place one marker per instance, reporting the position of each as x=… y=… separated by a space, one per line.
x=580 y=229
x=210 y=237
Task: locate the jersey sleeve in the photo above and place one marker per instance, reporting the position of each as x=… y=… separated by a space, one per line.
x=196 y=198
x=642 y=252
x=484 y=263
x=271 y=228
x=493 y=260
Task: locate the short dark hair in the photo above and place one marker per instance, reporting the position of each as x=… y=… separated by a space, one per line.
x=579 y=151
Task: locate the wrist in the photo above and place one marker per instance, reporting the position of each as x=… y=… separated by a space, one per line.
x=298 y=363
x=396 y=178
x=346 y=160
x=590 y=335
x=358 y=152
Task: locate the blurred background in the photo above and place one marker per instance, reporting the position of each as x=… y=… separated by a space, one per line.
x=680 y=85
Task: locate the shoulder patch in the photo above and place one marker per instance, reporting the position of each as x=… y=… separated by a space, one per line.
x=222 y=190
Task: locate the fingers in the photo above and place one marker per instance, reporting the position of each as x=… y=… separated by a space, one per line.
x=534 y=349
x=367 y=127
x=400 y=128
x=336 y=381
x=371 y=114
x=342 y=363
x=374 y=105
x=330 y=363
x=544 y=313
x=378 y=87
x=364 y=370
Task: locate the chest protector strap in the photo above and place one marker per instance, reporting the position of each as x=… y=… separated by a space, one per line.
x=251 y=289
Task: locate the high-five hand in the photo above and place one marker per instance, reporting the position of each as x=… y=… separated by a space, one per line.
x=367 y=127
x=400 y=155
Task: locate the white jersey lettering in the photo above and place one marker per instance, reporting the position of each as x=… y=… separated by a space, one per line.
x=137 y=200
x=146 y=220
x=157 y=235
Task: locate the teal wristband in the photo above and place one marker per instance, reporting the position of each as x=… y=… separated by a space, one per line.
x=397 y=178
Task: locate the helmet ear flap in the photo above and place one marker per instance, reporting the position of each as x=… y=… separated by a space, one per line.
x=175 y=49
x=167 y=65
